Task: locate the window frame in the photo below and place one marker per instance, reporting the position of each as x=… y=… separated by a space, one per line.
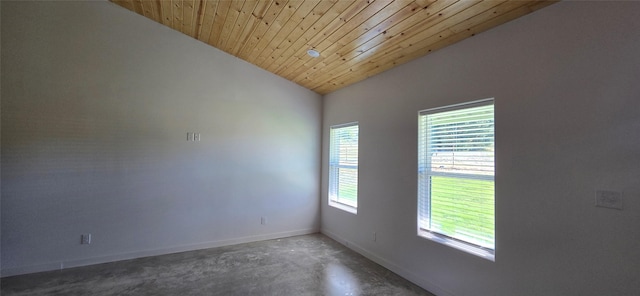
x=424 y=183
x=334 y=167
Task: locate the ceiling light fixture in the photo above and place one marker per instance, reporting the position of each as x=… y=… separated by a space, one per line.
x=313 y=53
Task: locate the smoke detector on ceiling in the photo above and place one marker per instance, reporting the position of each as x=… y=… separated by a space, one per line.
x=313 y=53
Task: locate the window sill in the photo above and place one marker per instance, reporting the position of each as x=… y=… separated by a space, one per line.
x=344 y=207
x=468 y=248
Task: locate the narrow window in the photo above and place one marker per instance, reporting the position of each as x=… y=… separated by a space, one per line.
x=343 y=167
x=456 y=177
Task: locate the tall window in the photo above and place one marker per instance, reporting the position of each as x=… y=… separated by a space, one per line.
x=456 y=177
x=343 y=167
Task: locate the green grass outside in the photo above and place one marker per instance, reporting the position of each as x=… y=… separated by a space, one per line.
x=348 y=191
x=451 y=212
x=472 y=213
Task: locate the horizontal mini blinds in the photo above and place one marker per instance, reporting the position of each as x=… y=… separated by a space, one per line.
x=343 y=165
x=456 y=173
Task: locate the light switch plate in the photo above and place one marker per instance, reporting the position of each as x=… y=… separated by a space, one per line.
x=609 y=199
x=85 y=239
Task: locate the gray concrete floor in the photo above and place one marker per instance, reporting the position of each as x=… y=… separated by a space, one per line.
x=301 y=265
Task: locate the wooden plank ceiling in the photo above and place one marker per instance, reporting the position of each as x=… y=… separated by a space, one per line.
x=356 y=39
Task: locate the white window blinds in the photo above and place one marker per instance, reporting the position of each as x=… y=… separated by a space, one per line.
x=456 y=175
x=343 y=167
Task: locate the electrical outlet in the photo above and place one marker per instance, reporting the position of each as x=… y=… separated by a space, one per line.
x=85 y=239
x=263 y=220
x=609 y=199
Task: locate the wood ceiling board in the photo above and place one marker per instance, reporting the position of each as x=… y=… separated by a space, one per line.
x=384 y=55
x=389 y=58
x=426 y=46
x=279 y=28
x=350 y=25
x=266 y=54
x=299 y=48
x=249 y=27
x=321 y=35
x=235 y=36
x=283 y=50
x=360 y=45
x=388 y=41
x=229 y=22
x=209 y=14
x=261 y=29
x=356 y=38
x=370 y=28
x=321 y=16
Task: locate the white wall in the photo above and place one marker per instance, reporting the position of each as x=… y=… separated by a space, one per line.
x=0 y=138
x=567 y=100
x=96 y=104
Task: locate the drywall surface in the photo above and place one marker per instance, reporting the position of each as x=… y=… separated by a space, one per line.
x=0 y=137
x=96 y=106
x=567 y=103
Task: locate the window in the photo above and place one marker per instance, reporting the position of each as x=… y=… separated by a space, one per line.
x=456 y=177
x=343 y=167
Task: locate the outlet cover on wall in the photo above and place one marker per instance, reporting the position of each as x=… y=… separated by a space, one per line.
x=609 y=199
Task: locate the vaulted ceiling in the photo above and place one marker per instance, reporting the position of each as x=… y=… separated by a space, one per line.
x=356 y=39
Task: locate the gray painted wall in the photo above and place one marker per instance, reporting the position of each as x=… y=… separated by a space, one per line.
x=0 y=138
x=567 y=100
x=96 y=105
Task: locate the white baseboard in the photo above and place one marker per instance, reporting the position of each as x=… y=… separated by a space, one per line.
x=146 y=253
x=408 y=275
